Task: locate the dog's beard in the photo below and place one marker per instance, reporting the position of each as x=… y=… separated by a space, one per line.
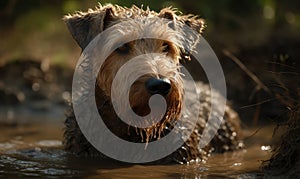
x=161 y=128
x=135 y=134
x=166 y=122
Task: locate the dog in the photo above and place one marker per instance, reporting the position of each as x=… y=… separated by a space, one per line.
x=160 y=58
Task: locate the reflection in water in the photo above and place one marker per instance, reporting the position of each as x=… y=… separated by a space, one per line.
x=36 y=150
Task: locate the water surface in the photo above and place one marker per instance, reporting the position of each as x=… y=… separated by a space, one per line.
x=35 y=149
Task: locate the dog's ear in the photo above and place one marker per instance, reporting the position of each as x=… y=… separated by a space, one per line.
x=85 y=26
x=192 y=30
x=194 y=22
x=190 y=26
x=169 y=14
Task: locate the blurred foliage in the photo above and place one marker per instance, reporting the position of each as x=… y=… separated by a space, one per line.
x=33 y=28
x=259 y=32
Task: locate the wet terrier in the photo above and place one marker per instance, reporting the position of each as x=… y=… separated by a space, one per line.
x=160 y=62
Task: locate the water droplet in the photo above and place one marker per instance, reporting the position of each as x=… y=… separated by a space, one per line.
x=237 y=164
x=265 y=147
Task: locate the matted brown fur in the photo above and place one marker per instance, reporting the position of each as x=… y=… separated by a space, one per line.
x=85 y=26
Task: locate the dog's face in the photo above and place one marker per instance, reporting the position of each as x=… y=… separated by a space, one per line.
x=156 y=58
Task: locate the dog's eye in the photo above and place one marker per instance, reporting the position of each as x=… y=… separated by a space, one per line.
x=124 y=49
x=166 y=47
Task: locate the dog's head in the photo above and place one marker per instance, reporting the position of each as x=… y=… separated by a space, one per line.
x=157 y=42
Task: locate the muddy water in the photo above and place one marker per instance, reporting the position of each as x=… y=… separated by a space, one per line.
x=35 y=149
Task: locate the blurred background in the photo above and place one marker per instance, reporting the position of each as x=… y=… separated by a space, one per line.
x=38 y=55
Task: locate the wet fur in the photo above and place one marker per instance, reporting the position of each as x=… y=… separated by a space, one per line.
x=85 y=26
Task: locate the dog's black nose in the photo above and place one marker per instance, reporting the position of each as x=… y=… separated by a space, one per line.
x=158 y=86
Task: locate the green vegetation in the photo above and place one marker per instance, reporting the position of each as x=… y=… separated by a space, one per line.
x=34 y=29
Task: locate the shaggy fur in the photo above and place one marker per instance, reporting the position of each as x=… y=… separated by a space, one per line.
x=159 y=58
